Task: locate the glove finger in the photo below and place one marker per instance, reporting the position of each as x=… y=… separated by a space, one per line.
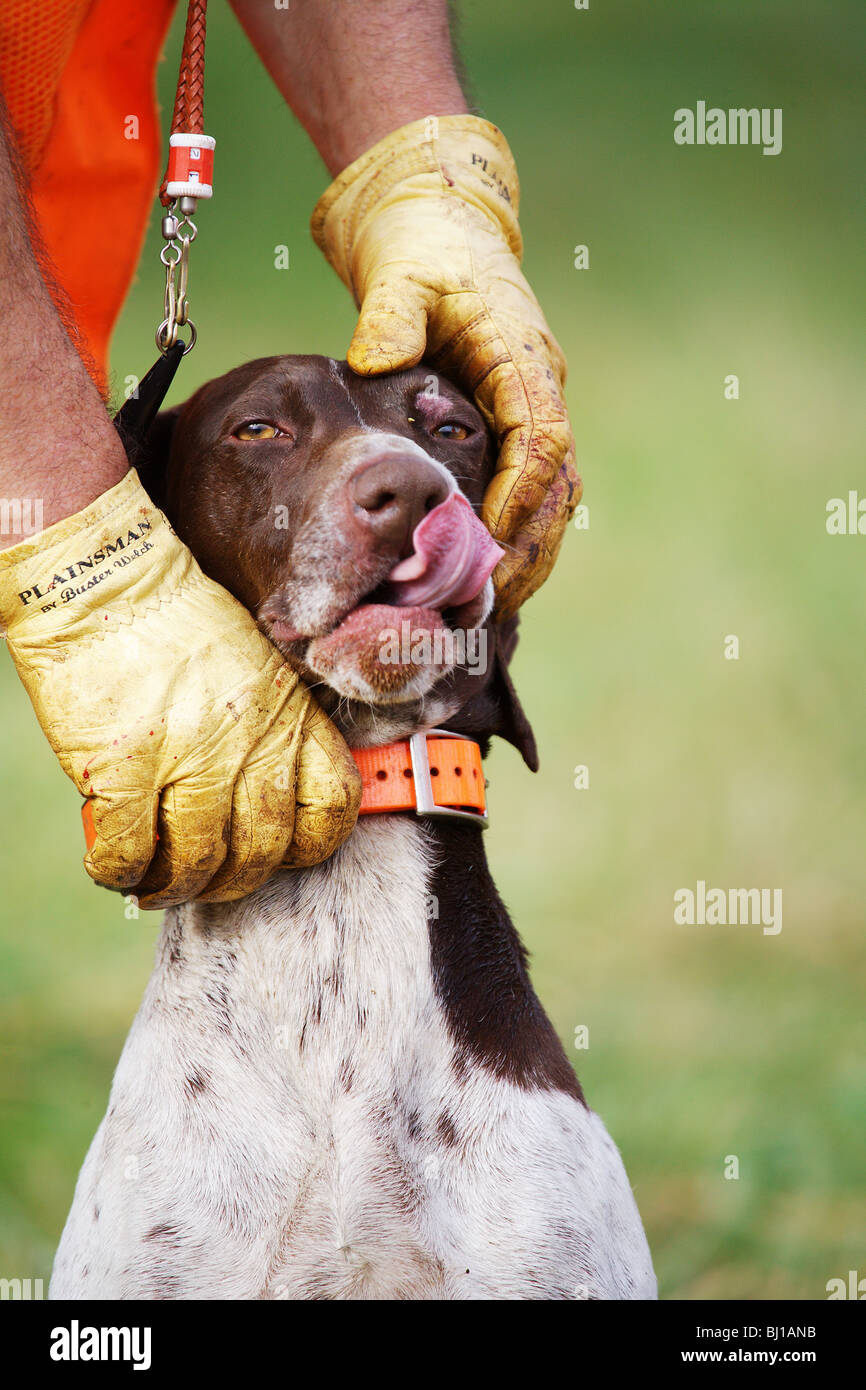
x=391 y=332
x=262 y=825
x=531 y=554
x=121 y=837
x=220 y=840
x=515 y=372
x=530 y=458
x=327 y=793
x=194 y=831
x=534 y=437
x=263 y=807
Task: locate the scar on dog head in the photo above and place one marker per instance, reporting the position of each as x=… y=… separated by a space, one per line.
x=342 y=511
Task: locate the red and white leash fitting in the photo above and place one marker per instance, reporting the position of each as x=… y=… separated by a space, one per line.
x=188 y=177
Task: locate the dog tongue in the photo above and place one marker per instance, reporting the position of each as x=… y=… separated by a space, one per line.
x=454 y=556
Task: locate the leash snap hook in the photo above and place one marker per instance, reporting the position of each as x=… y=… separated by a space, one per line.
x=178 y=234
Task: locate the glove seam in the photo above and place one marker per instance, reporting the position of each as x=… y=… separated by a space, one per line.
x=91 y=517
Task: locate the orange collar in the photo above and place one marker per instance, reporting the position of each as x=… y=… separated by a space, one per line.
x=433 y=774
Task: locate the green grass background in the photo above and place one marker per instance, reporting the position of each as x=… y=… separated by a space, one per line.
x=706 y=518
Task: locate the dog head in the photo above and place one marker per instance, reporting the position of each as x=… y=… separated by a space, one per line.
x=342 y=511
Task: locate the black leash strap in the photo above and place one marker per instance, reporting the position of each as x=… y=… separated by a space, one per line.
x=138 y=413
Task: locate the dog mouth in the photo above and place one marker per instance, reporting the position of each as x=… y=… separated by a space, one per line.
x=393 y=635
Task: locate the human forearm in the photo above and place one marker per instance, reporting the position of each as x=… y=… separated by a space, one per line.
x=353 y=71
x=58 y=447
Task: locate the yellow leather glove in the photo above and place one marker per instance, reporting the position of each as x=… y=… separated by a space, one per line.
x=423 y=230
x=205 y=762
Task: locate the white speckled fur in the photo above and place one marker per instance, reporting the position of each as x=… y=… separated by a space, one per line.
x=274 y=1129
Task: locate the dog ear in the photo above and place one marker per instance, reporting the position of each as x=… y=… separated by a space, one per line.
x=513 y=724
x=496 y=708
x=149 y=455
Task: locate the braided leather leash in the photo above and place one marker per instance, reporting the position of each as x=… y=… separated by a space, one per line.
x=188 y=177
x=189 y=101
x=188 y=118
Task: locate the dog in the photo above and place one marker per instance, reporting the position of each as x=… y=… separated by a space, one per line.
x=343 y=1086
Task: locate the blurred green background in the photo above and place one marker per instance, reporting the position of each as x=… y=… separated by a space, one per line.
x=707 y=518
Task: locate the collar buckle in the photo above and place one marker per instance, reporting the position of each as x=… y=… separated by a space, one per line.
x=424 y=802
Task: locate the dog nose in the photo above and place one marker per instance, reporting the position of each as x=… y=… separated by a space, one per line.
x=392 y=495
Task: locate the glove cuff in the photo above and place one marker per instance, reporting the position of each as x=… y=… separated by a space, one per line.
x=462 y=156
x=54 y=581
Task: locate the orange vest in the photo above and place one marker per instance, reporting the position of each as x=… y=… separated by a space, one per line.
x=78 y=80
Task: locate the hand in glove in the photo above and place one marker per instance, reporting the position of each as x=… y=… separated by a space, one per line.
x=205 y=762
x=423 y=230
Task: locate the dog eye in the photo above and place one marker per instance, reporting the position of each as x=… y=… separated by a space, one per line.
x=452 y=430
x=257 y=429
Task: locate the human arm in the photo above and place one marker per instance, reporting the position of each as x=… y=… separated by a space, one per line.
x=204 y=761
x=50 y=410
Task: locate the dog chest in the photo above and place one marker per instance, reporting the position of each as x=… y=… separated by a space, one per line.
x=288 y=1119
